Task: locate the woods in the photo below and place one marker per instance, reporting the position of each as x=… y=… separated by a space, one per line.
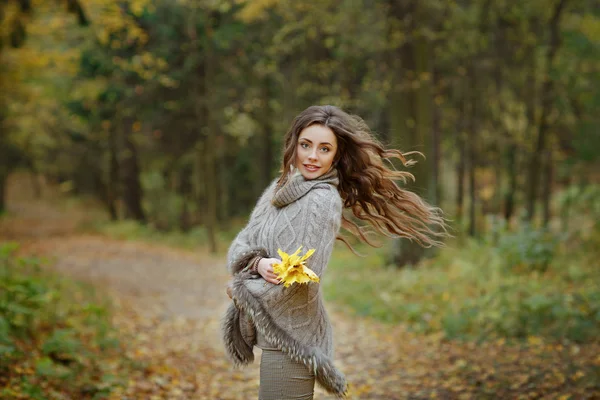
x=172 y=113
x=162 y=121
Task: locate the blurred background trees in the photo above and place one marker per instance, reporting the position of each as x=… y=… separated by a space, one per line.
x=171 y=113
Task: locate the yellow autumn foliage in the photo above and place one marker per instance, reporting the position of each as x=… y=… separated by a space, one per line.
x=255 y=10
x=115 y=28
x=292 y=268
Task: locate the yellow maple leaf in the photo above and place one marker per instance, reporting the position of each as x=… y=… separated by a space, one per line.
x=292 y=268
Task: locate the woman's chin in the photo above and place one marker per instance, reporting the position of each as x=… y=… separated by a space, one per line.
x=308 y=175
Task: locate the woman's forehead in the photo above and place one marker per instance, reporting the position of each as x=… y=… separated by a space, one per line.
x=318 y=134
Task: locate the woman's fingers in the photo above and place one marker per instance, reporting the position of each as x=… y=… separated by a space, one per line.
x=266 y=270
x=273 y=279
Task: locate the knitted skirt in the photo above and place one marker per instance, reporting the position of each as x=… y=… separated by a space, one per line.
x=281 y=378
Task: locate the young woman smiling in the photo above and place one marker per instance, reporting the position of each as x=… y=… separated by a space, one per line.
x=317 y=145
x=331 y=162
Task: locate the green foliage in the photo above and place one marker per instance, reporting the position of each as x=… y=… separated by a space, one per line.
x=162 y=205
x=194 y=239
x=45 y=367
x=527 y=249
x=21 y=296
x=581 y=198
x=55 y=335
x=62 y=341
x=580 y=212
x=473 y=292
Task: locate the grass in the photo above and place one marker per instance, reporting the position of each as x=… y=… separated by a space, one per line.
x=192 y=240
x=467 y=292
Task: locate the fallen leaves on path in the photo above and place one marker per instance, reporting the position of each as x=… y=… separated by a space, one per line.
x=168 y=305
x=167 y=309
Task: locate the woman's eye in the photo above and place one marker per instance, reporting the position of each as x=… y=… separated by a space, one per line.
x=304 y=145
x=324 y=149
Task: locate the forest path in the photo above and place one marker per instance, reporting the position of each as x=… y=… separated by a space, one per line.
x=169 y=302
x=168 y=305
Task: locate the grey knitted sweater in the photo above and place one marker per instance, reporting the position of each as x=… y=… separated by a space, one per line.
x=301 y=213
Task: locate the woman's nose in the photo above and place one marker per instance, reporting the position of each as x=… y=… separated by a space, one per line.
x=312 y=155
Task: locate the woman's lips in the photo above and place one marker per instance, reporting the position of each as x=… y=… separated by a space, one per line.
x=311 y=168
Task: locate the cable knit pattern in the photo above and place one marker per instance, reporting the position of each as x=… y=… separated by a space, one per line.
x=301 y=213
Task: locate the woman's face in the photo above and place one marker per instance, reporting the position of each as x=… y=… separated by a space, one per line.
x=315 y=151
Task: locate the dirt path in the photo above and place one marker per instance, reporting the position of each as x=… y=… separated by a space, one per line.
x=169 y=302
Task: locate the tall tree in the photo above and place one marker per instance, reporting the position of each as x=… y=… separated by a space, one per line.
x=547 y=100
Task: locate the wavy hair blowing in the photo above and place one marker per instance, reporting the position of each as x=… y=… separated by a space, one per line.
x=367 y=184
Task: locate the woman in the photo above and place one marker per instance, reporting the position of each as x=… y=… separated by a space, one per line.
x=331 y=162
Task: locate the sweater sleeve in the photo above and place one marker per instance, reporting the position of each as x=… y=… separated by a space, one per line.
x=242 y=250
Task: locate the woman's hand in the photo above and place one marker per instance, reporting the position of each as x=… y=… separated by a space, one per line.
x=265 y=269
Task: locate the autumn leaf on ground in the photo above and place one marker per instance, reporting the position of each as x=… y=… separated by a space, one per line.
x=292 y=268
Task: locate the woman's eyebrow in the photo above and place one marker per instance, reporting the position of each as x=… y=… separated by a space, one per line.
x=310 y=141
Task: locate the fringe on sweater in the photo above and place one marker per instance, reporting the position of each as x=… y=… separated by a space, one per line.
x=240 y=350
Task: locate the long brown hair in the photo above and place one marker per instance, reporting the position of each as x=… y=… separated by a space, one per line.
x=367 y=179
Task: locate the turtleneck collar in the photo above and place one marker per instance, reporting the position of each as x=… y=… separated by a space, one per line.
x=297 y=186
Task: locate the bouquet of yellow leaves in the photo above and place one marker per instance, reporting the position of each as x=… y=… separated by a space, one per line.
x=292 y=268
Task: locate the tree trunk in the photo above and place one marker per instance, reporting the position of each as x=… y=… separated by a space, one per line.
x=566 y=208
x=210 y=189
x=267 y=131
x=511 y=167
x=436 y=154
x=402 y=129
x=25 y=5
x=199 y=108
x=419 y=137
x=132 y=189
x=210 y=177
x=547 y=188
x=546 y=100
x=3 y=183
x=223 y=207
x=185 y=190
x=10 y=158
x=472 y=189
x=200 y=174
x=184 y=217
x=471 y=149
x=112 y=192
x=206 y=179
x=461 y=163
x=75 y=7
x=530 y=95
x=423 y=118
x=510 y=148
